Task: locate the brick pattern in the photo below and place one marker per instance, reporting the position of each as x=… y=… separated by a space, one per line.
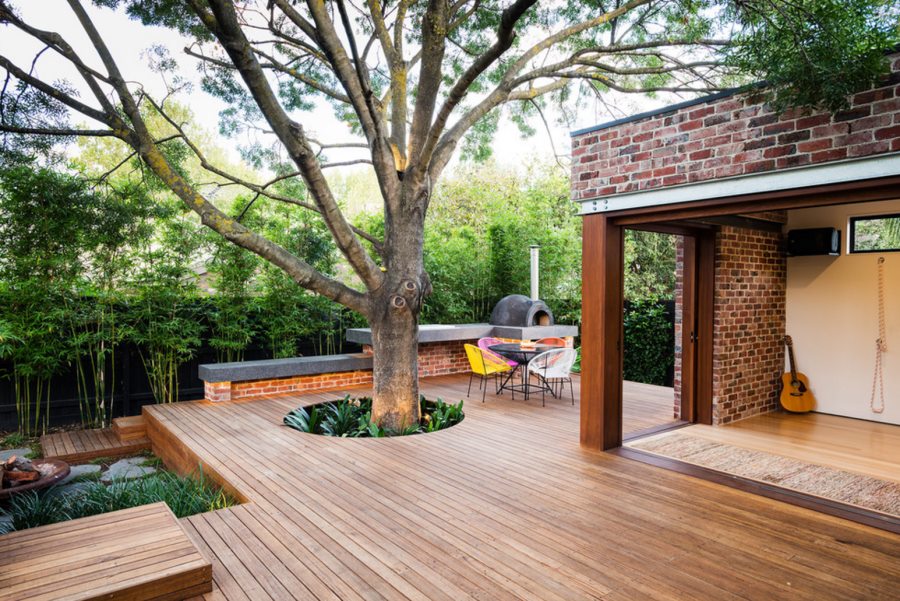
x=217 y=391
x=679 y=321
x=749 y=323
x=435 y=358
x=735 y=135
x=442 y=358
x=233 y=391
x=257 y=388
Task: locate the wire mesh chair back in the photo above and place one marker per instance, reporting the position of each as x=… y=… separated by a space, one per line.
x=483 y=363
x=485 y=345
x=556 y=363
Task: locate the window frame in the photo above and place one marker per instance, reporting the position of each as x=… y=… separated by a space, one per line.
x=851 y=239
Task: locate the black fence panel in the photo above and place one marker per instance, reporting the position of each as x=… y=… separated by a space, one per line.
x=131 y=388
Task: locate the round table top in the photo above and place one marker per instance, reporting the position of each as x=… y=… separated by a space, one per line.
x=512 y=347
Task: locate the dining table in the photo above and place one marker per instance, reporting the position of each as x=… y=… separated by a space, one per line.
x=522 y=355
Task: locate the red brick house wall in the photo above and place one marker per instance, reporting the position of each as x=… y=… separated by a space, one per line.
x=679 y=321
x=749 y=323
x=726 y=136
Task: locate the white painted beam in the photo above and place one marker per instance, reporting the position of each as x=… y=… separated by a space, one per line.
x=884 y=165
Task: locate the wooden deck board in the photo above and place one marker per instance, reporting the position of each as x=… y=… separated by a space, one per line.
x=139 y=554
x=79 y=446
x=505 y=505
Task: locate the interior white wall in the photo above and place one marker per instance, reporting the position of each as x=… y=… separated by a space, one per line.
x=832 y=317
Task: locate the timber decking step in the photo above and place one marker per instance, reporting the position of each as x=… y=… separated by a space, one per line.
x=79 y=446
x=138 y=554
x=130 y=428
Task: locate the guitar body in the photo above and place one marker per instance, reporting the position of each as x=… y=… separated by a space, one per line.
x=796 y=396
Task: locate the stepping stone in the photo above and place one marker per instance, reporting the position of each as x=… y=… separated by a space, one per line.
x=4 y=455
x=78 y=470
x=70 y=489
x=127 y=469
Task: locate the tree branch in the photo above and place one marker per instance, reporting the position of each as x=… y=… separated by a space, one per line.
x=290 y=133
x=54 y=131
x=141 y=140
x=505 y=38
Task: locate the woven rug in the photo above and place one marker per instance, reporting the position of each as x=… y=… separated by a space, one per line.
x=830 y=483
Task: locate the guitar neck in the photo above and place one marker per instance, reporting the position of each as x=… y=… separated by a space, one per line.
x=791 y=358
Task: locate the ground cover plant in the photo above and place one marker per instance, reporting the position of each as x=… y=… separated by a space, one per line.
x=184 y=495
x=352 y=418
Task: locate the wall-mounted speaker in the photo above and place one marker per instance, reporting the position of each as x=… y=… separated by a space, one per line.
x=814 y=241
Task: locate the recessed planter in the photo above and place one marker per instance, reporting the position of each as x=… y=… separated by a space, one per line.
x=351 y=418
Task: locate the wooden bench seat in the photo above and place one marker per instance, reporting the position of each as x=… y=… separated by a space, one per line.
x=136 y=554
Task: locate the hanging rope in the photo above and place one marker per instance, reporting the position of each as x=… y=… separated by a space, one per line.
x=880 y=346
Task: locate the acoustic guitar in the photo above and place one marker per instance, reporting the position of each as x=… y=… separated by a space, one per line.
x=796 y=396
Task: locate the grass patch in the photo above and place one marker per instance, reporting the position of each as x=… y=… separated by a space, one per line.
x=184 y=496
x=15 y=440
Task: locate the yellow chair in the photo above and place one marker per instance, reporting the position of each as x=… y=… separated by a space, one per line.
x=485 y=366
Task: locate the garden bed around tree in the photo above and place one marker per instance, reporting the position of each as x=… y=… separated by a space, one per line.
x=352 y=418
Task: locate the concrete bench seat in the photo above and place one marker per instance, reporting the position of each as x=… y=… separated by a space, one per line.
x=441 y=352
x=248 y=379
x=270 y=369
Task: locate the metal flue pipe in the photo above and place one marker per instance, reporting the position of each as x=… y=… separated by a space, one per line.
x=535 y=271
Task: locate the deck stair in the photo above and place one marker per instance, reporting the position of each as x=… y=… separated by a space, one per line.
x=130 y=428
x=127 y=436
x=138 y=554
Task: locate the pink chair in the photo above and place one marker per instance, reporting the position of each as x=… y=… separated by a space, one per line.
x=485 y=344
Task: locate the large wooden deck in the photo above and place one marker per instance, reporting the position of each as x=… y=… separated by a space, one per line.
x=506 y=505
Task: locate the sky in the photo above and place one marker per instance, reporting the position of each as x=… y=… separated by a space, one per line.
x=129 y=40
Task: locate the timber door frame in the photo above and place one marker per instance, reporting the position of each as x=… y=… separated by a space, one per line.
x=603 y=300
x=603 y=294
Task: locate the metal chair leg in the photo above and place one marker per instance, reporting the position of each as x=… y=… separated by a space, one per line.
x=469 y=391
x=571 y=390
x=484 y=389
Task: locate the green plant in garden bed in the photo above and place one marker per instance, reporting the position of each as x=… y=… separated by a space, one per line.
x=352 y=418
x=184 y=496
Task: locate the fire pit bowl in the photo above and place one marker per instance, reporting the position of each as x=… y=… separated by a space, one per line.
x=52 y=471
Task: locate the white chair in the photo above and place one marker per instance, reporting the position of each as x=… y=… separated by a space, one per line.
x=554 y=368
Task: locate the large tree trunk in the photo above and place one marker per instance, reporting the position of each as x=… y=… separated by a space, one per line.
x=394 y=314
x=396 y=395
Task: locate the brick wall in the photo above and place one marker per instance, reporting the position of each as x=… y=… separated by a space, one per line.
x=749 y=323
x=435 y=359
x=731 y=136
x=679 y=321
x=233 y=391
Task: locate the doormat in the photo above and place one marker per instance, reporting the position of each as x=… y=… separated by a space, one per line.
x=826 y=482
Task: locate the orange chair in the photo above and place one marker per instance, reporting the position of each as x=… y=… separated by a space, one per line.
x=486 y=367
x=552 y=341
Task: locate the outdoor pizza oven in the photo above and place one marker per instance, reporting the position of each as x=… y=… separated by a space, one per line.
x=517 y=310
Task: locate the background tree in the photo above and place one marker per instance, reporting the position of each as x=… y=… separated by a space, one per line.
x=417 y=80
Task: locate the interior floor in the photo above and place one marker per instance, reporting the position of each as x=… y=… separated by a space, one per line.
x=864 y=447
